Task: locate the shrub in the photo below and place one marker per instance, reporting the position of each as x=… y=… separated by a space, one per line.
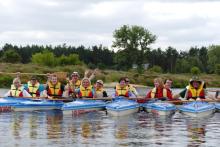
x=11 y=56
x=156 y=69
x=46 y=58
x=5 y=81
x=195 y=70
x=72 y=59
x=217 y=69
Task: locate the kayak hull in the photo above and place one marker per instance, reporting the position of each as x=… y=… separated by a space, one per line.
x=37 y=105
x=118 y=113
x=197 y=109
x=217 y=106
x=7 y=103
x=159 y=108
x=122 y=107
x=82 y=106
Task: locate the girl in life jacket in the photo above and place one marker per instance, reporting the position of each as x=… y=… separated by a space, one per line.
x=85 y=90
x=159 y=91
x=54 y=88
x=122 y=89
x=99 y=90
x=17 y=90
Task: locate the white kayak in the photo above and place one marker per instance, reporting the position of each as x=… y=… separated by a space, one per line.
x=160 y=108
x=37 y=105
x=83 y=106
x=197 y=109
x=121 y=107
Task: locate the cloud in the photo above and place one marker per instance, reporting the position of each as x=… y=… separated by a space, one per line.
x=180 y=24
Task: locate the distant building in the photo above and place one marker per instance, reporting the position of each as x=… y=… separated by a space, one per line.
x=145 y=66
x=134 y=66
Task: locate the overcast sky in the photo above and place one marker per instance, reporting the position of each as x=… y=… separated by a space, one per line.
x=177 y=23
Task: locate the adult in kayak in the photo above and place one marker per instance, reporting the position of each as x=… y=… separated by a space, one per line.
x=131 y=87
x=168 y=85
x=73 y=84
x=122 y=89
x=99 y=90
x=54 y=88
x=85 y=90
x=159 y=91
x=33 y=87
x=17 y=90
x=194 y=91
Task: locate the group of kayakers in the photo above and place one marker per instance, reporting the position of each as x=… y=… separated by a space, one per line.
x=75 y=88
x=82 y=88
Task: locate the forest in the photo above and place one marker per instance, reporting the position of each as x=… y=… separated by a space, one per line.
x=131 y=46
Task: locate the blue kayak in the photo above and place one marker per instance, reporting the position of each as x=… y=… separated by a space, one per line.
x=82 y=106
x=160 y=108
x=122 y=106
x=217 y=106
x=33 y=105
x=197 y=109
x=6 y=103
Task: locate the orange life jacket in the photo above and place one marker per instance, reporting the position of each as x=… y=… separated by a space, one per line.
x=85 y=92
x=54 y=90
x=121 y=91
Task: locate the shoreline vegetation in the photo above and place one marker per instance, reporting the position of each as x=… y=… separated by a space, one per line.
x=110 y=77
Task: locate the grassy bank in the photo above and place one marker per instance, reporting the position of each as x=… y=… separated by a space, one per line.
x=108 y=76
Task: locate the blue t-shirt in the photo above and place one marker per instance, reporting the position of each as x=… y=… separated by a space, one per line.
x=41 y=87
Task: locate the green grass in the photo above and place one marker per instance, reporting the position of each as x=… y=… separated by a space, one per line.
x=108 y=76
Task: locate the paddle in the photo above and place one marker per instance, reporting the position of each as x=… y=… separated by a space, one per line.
x=187 y=101
x=110 y=98
x=43 y=98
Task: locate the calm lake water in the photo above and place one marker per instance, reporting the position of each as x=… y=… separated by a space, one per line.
x=52 y=128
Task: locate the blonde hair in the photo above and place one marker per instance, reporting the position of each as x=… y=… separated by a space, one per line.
x=86 y=79
x=17 y=79
x=160 y=81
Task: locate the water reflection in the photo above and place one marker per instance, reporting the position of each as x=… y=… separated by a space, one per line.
x=196 y=128
x=33 y=126
x=54 y=124
x=17 y=125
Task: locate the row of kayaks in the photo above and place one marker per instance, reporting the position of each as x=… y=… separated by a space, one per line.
x=117 y=107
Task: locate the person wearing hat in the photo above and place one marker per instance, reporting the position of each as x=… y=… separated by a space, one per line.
x=194 y=91
x=33 y=87
x=85 y=90
x=99 y=91
x=17 y=89
x=73 y=84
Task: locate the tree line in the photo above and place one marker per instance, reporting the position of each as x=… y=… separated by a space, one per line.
x=133 y=48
